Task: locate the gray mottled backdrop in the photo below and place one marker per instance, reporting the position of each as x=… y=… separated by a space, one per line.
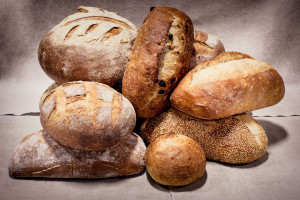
x=266 y=30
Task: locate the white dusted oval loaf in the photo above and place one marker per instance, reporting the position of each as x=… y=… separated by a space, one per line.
x=236 y=139
x=87 y=115
x=39 y=155
x=90 y=45
x=232 y=83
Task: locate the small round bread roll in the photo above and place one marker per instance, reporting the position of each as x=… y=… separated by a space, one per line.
x=206 y=48
x=87 y=115
x=90 y=45
x=175 y=160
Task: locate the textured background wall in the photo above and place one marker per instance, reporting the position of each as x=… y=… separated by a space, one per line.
x=266 y=30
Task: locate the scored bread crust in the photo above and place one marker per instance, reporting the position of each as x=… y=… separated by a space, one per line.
x=38 y=155
x=175 y=160
x=91 y=45
x=87 y=115
x=159 y=59
x=237 y=139
x=230 y=84
x=206 y=48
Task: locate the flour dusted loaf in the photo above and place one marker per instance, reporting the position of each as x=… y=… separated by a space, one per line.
x=87 y=115
x=160 y=57
x=232 y=83
x=38 y=155
x=175 y=160
x=237 y=139
x=90 y=45
x=206 y=48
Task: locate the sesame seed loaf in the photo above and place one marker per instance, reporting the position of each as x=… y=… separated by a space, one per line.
x=175 y=160
x=160 y=57
x=87 y=115
x=90 y=45
x=38 y=155
x=232 y=83
x=206 y=48
x=236 y=139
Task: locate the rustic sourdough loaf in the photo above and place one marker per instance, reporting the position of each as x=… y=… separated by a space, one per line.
x=236 y=139
x=175 y=160
x=87 y=115
x=38 y=155
x=232 y=83
x=206 y=48
x=160 y=57
x=91 y=45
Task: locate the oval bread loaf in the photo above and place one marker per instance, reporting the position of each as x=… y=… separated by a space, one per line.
x=159 y=59
x=175 y=160
x=91 y=45
x=206 y=48
x=38 y=155
x=236 y=139
x=87 y=115
x=232 y=83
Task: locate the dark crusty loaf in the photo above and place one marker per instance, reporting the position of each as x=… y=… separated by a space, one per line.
x=237 y=139
x=159 y=59
x=175 y=160
x=91 y=45
x=206 y=48
x=87 y=115
x=232 y=83
x=38 y=155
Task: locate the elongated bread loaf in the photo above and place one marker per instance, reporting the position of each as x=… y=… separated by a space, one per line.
x=236 y=139
x=38 y=155
x=206 y=48
x=232 y=83
x=160 y=57
x=90 y=45
x=87 y=115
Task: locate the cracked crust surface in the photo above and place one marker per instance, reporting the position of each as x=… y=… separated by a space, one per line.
x=236 y=139
x=91 y=45
x=38 y=155
x=230 y=84
x=159 y=59
x=87 y=115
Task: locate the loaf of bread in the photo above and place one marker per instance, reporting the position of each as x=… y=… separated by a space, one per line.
x=160 y=57
x=38 y=155
x=87 y=115
x=91 y=45
x=236 y=139
x=206 y=48
x=175 y=160
x=232 y=83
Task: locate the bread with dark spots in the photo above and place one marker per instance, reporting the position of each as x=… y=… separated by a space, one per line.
x=237 y=139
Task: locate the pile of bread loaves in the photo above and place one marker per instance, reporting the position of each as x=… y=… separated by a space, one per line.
x=190 y=98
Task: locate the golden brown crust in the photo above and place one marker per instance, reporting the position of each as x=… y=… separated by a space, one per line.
x=206 y=48
x=175 y=160
x=38 y=155
x=87 y=115
x=237 y=139
x=159 y=59
x=247 y=85
x=48 y=91
x=91 y=45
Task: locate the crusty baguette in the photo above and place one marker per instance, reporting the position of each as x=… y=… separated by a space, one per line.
x=206 y=48
x=38 y=155
x=175 y=160
x=232 y=83
x=90 y=45
x=159 y=59
x=237 y=139
x=87 y=115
